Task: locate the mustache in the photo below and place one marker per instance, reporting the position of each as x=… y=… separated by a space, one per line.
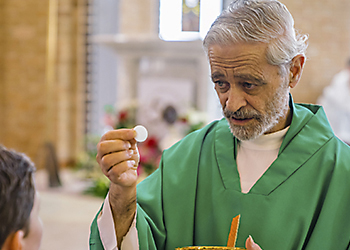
x=242 y=114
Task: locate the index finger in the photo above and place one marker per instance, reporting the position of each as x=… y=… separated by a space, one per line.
x=119 y=134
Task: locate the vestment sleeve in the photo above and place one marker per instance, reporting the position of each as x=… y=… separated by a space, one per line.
x=107 y=230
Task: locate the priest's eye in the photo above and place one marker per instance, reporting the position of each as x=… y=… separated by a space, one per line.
x=248 y=85
x=221 y=86
x=219 y=83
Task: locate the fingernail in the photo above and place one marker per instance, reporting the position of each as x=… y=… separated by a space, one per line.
x=131 y=152
x=127 y=145
x=251 y=240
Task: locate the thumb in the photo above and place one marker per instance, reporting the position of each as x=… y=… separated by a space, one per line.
x=251 y=245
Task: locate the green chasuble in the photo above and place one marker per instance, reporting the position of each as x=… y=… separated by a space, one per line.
x=301 y=202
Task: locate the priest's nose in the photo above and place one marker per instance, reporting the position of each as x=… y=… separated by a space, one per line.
x=235 y=100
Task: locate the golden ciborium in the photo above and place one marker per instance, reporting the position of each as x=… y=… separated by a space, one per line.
x=230 y=243
x=210 y=248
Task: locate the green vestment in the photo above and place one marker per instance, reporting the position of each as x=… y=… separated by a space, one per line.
x=301 y=202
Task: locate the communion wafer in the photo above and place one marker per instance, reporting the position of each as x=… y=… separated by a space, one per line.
x=141 y=133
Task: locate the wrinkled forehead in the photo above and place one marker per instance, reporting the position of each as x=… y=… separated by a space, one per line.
x=237 y=56
x=238 y=50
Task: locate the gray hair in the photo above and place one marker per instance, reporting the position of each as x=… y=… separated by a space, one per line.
x=266 y=21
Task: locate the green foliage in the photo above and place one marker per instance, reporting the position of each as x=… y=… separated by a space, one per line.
x=90 y=169
x=99 y=187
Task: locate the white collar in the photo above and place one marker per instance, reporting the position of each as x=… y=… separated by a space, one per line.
x=266 y=141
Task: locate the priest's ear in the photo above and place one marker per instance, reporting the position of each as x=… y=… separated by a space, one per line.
x=14 y=241
x=296 y=70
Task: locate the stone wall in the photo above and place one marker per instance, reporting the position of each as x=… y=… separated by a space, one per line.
x=2 y=75
x=139 y=17
x=23 y=57
x=41 y=95
x=328 y=24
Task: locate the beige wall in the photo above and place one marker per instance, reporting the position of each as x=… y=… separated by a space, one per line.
x=23 y=35
x=328 y=24
x=138 y=17
x=35 y=110
x=2 y=94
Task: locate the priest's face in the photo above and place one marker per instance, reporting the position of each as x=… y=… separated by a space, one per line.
x=253 y=93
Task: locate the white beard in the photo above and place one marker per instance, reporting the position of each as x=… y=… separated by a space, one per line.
x=275 y=110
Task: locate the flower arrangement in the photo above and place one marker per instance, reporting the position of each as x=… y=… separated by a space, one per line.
x=150 y=150
x=194 y=120
x=150 y=155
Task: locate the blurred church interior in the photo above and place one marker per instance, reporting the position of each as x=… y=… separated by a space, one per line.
x=72 y=69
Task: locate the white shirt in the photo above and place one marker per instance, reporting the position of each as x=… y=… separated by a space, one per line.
x=253 y=159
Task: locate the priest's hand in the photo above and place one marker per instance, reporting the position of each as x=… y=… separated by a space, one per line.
x=251 y=245
x=118 y=157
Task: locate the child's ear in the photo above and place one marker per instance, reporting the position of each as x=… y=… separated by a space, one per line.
x=14 y=241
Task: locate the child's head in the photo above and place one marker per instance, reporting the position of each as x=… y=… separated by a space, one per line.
x=20 y=225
